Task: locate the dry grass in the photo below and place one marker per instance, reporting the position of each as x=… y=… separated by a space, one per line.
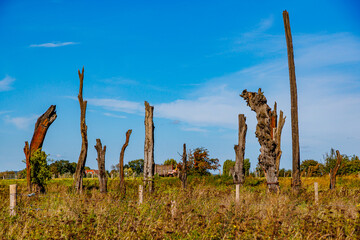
x=205 y=211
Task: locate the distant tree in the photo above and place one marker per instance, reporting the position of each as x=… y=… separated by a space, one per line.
x=312 y=168
x=247 y=166
x=259 y=171
x=171 y=161
x=349 y=166
x=228 y=164
x=61 y=167
x=128 y=172
x=136 y=165
x=200 y=163
x=40 y=171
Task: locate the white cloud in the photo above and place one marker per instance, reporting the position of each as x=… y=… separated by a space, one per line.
x=21 y=123
x=53 y=44
x=193 y=129
x=5 y=84
x=113 y=115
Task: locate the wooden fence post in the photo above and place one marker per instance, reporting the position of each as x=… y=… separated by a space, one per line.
x=316 y=190
x=13 y=192
x=173 y=209
x=237 y=196
x=141 y=194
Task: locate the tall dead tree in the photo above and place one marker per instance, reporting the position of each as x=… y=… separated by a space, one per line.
x=121 y=163
x=183 y=173
x=78 y=179
x=266 y=131
x=101 y=165
x=239 y=171
x=296 y=181
x=334 y=171
x=149 y=163
x=41 y=127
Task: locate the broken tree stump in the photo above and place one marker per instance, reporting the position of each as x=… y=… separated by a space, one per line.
x=239 y=171
x=78 y=181
x=296 y=181
x=101 y=165
x=266 y=130
x=41 y=127
x=334 y=171
x=149 y=164
x=183 y=173
x=121 y=163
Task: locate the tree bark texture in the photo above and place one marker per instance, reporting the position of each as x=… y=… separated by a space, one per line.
x=334 y=171
x=239 y=171
x=183 y=173
x=266 y=131
x=296 y=181
x=78 y=181
x=101 y=165
x=121 y=163
x=149 y=163
x=41 y=127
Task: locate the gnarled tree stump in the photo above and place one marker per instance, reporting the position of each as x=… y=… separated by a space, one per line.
x=101 y=165
x=149 y=163
x=41 y=127
x=334 y=171
x=239 y=171
x=183 y=173
x=121 y=163
x=78 y=179
x=266 y=131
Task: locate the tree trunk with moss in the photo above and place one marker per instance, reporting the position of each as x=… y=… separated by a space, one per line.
x=78 y=179
x=41 y=127
x=101 y=165
x=121 y=163
x=268 y=134
x=239 y=171
x=149 y=164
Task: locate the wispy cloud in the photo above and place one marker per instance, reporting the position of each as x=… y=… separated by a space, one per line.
x=21 y=123
x=116 y=105
x=6 y=84
x=113 y=115
x=53 y=44
x=193 y=129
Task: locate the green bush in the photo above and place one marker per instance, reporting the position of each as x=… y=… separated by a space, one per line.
x=40 y=170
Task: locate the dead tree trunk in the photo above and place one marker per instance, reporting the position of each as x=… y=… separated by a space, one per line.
x=41 y=127
x=101 y=165
x=183 y=173
x=266 y=130
x=296 y=181
x=334 y=171
x=78 y=181
x=239 y=171
x=149 y=163
x=121 y=163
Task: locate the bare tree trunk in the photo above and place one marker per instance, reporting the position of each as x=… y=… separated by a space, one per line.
x=296 y=181
x=183 y=174
x=121 y=163
x=149 y=163
x=334 y=171
x=78 y=181
x=41 y=127
x=101 y=165
x=239 y=171
x=266 y=130
x=28 y=172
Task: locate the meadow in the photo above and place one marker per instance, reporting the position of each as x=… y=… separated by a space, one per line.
x=205 y=210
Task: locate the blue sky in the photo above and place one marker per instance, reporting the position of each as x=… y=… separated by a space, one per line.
x=191 y=60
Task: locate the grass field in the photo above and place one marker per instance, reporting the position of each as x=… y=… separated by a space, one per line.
x=206 y=210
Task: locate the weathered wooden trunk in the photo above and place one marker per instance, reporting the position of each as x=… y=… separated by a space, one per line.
x=149 y=148
x=183 y=173
x=334 y=171
x=121 y=163
x=78 y=179
x=41 y=127
x=296 y=181
x=101 y=165
x=239 y=171
x=266 y=131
